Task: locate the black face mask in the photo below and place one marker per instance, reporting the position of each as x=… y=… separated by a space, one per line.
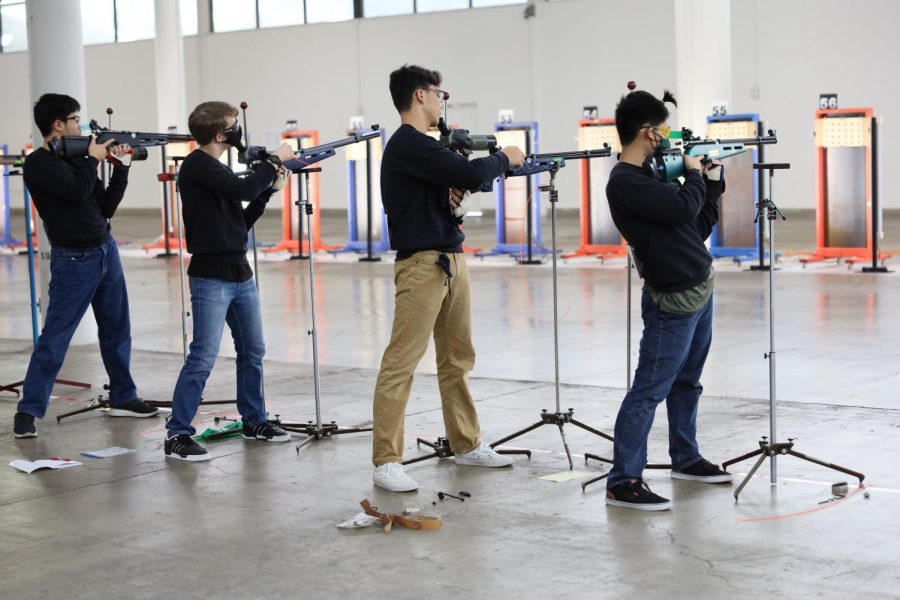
x=234 y=137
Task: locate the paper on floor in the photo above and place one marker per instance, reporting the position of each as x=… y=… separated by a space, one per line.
x=106 y=452
x=28 y=466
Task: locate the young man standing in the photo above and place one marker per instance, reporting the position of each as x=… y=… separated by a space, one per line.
x=85 y=269
x=222 y=288
x=421 y=183
x=666 y=226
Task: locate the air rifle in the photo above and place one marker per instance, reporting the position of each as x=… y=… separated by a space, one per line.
x=669 y=162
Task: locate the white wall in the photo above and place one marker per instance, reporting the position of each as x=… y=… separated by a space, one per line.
x=572 y=53
x=792 y=51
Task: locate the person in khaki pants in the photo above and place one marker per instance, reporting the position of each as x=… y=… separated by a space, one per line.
x=421 y=185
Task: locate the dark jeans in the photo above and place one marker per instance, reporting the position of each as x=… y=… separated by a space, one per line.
x=214 y=303
x=673 y=352
x=78 y=279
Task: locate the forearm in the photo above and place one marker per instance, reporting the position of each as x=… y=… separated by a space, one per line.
x=110 y=198
x=255 y=209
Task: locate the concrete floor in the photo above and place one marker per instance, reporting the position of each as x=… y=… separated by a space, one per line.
x=259 y=521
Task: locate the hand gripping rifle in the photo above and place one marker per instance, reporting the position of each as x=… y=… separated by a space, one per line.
x=669 y=162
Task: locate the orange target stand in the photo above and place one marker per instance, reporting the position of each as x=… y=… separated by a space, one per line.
x=847 y=212
x=291 y=224
x=599 y=235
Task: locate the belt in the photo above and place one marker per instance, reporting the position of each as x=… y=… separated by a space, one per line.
x=388 y=520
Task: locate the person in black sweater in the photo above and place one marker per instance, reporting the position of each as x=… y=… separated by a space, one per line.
x=85 y=269
x=666 y=225
x=222 y=289
x=421 y=184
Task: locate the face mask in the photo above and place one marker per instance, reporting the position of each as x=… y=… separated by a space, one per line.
x=234 y=137
x=663 y=144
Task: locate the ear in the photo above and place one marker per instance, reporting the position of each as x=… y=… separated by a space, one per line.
x=419 y=96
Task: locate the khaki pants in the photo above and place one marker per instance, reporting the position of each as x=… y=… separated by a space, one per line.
x=426 y=304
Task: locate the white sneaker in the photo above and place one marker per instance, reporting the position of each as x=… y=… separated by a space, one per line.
x=483 y=456
x=393 y=478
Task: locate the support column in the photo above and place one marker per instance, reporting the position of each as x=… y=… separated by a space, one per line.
x=703 y=60
x=56 y=65
x=171 y=94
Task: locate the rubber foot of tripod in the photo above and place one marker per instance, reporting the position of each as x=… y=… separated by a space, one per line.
x=533 y=261
x=370 y=259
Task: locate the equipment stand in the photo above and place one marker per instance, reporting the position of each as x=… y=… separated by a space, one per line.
x=167 y=219
x=558 y=418
x=876 y=207
x=368 y=257
x=770 y=447
x=35 y=330
x=314 y=430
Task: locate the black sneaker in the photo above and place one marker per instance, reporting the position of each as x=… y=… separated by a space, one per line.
x=23 y=426
x=636 y=494
x=135 y=408
x=266 y=432
x=704 y=471
x=183 y=447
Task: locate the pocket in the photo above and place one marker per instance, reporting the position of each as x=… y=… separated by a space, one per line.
x=68 y=254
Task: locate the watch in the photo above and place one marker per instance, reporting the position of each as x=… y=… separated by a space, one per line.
x=274 y=160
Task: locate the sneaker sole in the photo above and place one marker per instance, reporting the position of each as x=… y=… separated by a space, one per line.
x=475 y=463
x=727 y=478
x=399 y=491
x=23 y=436
x=279 y=439
x=645 y=507
x=118 y=412
x=190 y=457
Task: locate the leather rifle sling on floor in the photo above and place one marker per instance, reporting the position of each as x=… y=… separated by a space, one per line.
x=387 y=519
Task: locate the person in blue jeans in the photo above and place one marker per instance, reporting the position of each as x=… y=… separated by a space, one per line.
x=85 y=270
x=666 y=225
x=221 y=281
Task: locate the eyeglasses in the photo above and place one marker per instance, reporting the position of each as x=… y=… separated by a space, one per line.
x=441 y=94
x=664 y=131
x=76 y=118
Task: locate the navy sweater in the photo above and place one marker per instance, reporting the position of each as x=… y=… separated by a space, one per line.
x=666 y=225
x=416 y=176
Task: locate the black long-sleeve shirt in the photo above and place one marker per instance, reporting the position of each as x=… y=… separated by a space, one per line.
x=666 y=226
x=71 y=199
x=215 y=220
x=416 y=175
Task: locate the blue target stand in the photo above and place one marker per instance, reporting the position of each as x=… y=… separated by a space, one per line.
x=6 y=238
x=367 y=230
x=736 y=235
x=518 y=216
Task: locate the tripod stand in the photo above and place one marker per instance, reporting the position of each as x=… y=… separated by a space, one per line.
x=314 y=430
x=770 y=447
x=558 y=418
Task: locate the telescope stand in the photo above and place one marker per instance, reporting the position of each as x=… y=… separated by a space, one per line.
x=557 y=418
x=314 y=430
x=769 y=447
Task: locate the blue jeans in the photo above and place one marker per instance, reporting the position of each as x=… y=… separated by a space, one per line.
x=673 y=352
x=216 y=302
x=78 y=279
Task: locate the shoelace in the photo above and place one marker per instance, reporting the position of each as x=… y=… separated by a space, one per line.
x=393 y=470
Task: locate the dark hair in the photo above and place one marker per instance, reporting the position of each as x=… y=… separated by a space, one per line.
x=406 y=80
x=51 y=108
x=638 y=109
x=210 y=118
